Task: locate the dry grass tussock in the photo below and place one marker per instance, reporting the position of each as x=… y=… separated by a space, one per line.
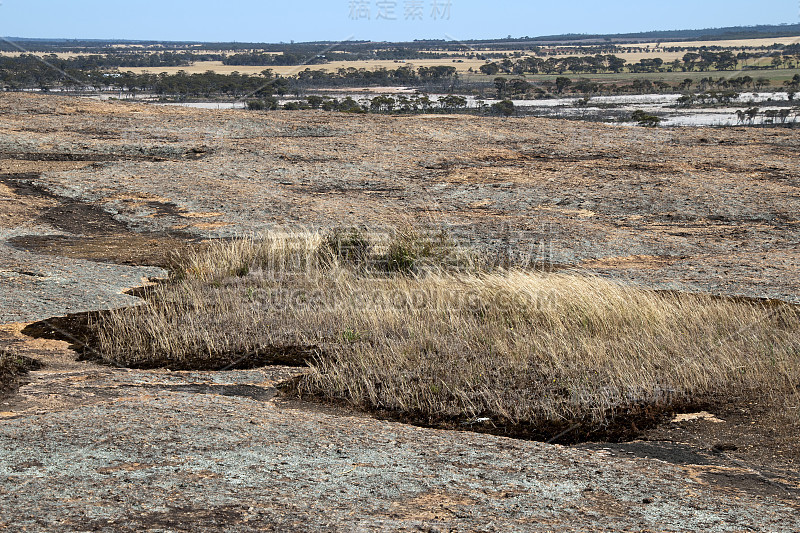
x=386 y=330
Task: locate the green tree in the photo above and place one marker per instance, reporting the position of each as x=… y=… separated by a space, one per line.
x=615 y=64
x=644 y=119
x=383 y=103
x=505 y=108
x=689 y=60
x=315 y=101
x=500 y=85
x=562 y=83
x=490 y=69
x=453 y=101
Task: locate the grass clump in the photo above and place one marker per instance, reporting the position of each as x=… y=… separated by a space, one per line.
x=412 y=251
x=538 y=353
x=347 y=245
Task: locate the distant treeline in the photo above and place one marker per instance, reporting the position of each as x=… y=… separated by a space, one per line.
x=708 y=89
x=727 y=33
x=29 y=72
x=288 y=58
x=593 y=59
x=401 y=104
x=703 y=60
x=368 y=47
x=112 y=61
x=352 y=77
x=261 y=59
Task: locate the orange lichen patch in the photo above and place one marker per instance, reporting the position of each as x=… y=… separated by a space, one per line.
x=15 y=166
x=12 y=334
x=139 y=199
x=702 y=415
x=17 y=210
x=481 y=204
x=134 y=467
x=487 y=175
x=603 y=502
x=435 y=505
x=200 y=215
x=211 y=225
x=578 y=212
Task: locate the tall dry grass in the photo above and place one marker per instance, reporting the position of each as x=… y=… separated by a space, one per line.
x=517 y=347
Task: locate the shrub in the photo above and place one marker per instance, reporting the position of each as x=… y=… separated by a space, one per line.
x=411 y=250
x=294 y=106
x=347 y=245
x=268 y=103
x=504 y=107
x=650 y=121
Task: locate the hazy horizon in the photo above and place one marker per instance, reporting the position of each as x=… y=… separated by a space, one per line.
x=376 y=20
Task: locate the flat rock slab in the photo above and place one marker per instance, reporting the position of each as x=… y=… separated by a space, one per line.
x=90 y=448
x=36 y=287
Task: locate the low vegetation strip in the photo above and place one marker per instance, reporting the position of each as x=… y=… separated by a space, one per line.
x=416 y=328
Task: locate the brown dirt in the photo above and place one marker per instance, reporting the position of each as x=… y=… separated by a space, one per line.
x=711 y=210
x=89 y=231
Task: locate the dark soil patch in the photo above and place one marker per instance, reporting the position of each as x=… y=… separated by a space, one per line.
x=68 y=214
x=122 y=249
x=259 y=394
x=76 y=329
x=669 y=452
x=73 y=216
x=73 y=329
x=751 y=448
x=625 y=424
x=102 y=238
x=12 y=368
x=721 y=470
x=758 y=430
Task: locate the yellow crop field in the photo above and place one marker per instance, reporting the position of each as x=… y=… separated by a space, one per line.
x=738 y=43
x=218 y=67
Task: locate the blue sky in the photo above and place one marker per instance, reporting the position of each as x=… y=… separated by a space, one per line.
x=307 y=20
